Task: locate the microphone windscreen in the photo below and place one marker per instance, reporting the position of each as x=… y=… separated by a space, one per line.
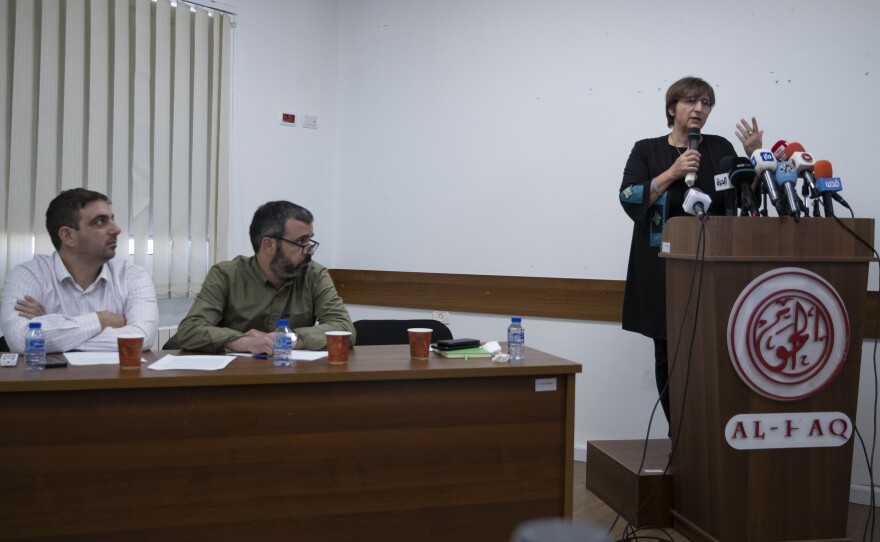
x=822 y=169
x=694 y=133
x=726 y=162
x=794 y=147
x=741 y=171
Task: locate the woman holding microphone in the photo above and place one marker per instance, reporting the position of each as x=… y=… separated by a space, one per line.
x=653 y=191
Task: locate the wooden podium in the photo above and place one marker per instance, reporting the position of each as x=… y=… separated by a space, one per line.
x=777 y=493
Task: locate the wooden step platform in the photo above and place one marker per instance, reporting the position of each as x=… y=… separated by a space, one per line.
x=612 y=468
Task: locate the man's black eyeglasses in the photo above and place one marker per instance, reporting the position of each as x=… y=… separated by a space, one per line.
x=309 y=248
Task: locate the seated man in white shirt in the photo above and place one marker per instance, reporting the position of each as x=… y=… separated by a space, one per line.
x=80 y=294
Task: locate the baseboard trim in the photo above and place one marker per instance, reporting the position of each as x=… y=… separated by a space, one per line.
x=859 y=494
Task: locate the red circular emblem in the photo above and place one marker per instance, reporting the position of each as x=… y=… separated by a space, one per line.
x=788 y=334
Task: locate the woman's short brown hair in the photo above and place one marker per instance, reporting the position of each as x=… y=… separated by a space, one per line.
x=684 y=87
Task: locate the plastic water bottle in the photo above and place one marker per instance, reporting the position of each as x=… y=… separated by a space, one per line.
x=34 y=347
x=284 y=342
x=516 y=338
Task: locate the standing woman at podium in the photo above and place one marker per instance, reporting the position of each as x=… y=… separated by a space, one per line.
x=653 y=191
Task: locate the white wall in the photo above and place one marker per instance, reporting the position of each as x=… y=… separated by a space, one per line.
x=504 y=126
x=284 y=61
x=495 y=131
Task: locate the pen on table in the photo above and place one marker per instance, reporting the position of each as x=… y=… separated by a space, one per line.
x=262 y=356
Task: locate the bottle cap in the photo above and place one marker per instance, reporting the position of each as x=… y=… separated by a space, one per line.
x=516 y=319
x=34 y=325
x=283 y=322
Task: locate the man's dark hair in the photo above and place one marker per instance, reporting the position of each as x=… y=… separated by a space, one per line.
x=271 y=218
x=64 y=210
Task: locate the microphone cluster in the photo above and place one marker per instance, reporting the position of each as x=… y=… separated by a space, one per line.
x=774 y=174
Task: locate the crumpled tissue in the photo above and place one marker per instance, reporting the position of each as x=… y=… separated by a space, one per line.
x=495 y=349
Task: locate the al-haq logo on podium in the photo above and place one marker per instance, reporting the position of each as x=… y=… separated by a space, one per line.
x=788 y=334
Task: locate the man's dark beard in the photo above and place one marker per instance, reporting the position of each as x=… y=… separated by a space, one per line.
x=285 y=270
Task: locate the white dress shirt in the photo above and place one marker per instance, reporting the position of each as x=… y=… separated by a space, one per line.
x=71 y=319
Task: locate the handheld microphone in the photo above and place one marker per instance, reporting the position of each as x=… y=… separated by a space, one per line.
x=696 y=202
x=829 y=187
x=693 y=143
x=786 y=177
x=741 y=175
x=780 y=150
x=765 y=165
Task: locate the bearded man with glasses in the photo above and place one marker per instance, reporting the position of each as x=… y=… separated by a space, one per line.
x=242 y=300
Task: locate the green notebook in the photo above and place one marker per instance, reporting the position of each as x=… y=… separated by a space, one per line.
x=465 y=353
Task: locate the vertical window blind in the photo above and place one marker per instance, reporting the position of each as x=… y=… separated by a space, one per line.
x=130 y=98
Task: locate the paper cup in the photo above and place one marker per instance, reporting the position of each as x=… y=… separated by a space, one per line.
x=338 y=345
x=419 y=342
x=131 y=346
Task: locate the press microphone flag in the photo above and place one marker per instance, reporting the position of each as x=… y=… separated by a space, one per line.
x=725 y=187
x=696 y=202
x=830 y=184
x=693 y=143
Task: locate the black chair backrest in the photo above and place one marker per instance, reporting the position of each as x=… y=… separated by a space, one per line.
x=171 y=343
x=373 y=332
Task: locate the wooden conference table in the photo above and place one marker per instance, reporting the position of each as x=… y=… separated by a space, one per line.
x=379 y=448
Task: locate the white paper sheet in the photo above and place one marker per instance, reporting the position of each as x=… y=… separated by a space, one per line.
x=193 y=363
x=307 y=355
x=94 y=358
x=295 y=355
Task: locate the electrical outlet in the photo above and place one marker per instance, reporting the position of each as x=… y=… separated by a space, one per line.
x=310 y=121
x=442 y=317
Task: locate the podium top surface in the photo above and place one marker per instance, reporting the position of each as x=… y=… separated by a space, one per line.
x=770 y=239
